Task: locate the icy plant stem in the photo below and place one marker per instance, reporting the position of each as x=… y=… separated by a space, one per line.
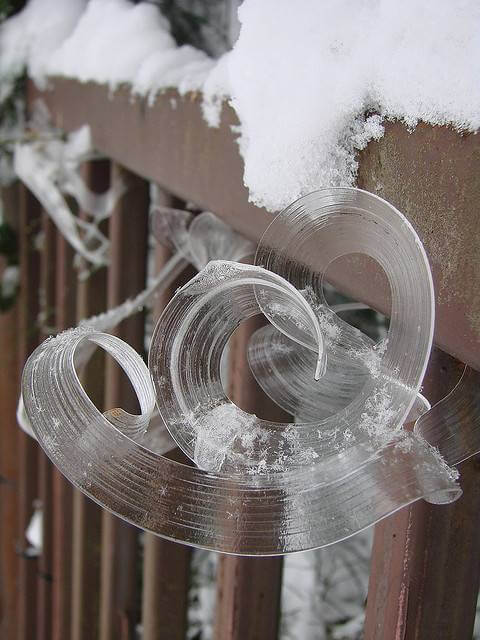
x=111 y=318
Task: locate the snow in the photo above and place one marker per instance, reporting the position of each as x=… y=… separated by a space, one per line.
x=311 y=82
x=185 y=68
x=134 y=46
x=34 y=531
x=202 y=595
x=302 y=85
x=217 y=431
x=9 y=281
x=323 y=592
x=24 y=43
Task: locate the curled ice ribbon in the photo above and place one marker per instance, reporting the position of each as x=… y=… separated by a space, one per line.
x=192 y=240
x=258 y=487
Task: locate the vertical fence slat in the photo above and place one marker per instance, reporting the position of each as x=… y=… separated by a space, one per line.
x=45 y=469
x=126 y=276
x=62 y=490
x=30 y=221
x=248 y=589
x=426 y=558
x=165 y=589
x=166 y=565
x=8 y=448
x=87 y=515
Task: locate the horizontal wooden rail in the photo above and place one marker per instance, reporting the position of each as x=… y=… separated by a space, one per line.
x=431 y=174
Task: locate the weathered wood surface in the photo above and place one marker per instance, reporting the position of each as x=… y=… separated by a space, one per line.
x=62 y=490
x=432 y=175
x=9 y=480
x=166 y=565
x=28 y=338
x=87 y=515
x=45 y=467
x=248 y=589
x=126 y=277
x=166 y=576
x=425 y=567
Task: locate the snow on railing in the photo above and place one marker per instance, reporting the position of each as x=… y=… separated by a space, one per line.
x=308 y=97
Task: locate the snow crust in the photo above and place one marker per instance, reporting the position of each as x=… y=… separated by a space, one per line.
x=311 y=82
x=30 y=38
x=116 y=42
x=304 y=74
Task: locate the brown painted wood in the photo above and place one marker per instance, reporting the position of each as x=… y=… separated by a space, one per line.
x=426 y=558
x=45 y=469
x=166 y=565
x=248 y=589
x=166 y=569
x=432 y=174
x=62 y=490
x=28 y=306
x=8 y=447
x=87 y=515
x=126 y=277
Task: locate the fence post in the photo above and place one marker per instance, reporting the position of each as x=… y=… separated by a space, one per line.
x=45 y=469
x=62 y=490
x=166 y=565
x=126 y=277
x=426 y=558
x=165 y=589
x=9 y=475
x=87 y=515
x=248 y=589
x=29 y=226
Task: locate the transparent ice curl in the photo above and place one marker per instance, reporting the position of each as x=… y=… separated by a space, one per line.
x=265 y=488
x=195 y=240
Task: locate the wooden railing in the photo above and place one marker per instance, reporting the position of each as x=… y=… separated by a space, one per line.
x=93 y=577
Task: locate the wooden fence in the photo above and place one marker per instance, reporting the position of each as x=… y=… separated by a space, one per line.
x=95 y=578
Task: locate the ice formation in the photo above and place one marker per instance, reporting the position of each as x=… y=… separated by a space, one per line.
x=49 y=167
x=193 y=240
x=261 y=487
